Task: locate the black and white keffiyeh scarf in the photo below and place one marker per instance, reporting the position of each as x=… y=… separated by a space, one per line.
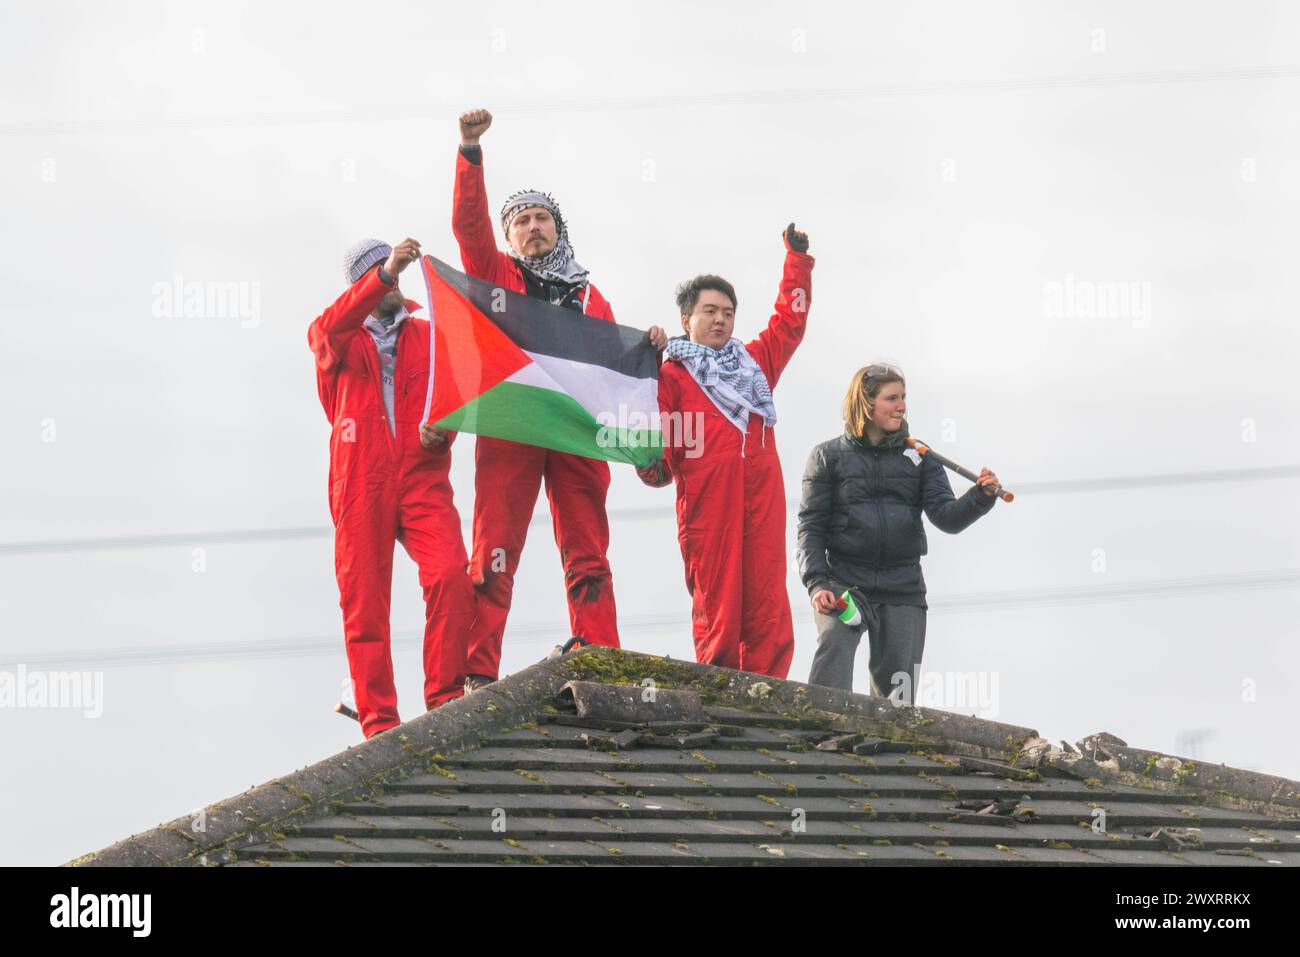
x=558 y=265
x=730 y=377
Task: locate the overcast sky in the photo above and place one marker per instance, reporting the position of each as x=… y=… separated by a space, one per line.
x=969 y=175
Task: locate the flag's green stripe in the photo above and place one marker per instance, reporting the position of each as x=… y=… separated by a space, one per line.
x=553 y=420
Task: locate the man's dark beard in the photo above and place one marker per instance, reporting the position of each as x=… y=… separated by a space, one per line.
x=388 y=306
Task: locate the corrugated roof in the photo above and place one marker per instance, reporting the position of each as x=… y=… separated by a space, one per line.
x=713 y=766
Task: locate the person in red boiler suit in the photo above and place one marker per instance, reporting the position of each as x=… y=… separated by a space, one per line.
x=509 y=475
x=388 y=482
x=715 y=396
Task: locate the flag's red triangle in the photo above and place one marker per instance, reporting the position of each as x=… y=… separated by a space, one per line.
x=470 y=353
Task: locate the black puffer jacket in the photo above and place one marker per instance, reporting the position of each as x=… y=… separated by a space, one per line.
x=860 y=516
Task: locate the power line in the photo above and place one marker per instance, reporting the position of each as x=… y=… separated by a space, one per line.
x=1122 y=591
x=1157 y=481
x=539 y=633
x=376 y=114
x=246 y=536
x=532 y=633
x=296 y=533
x=174 y=539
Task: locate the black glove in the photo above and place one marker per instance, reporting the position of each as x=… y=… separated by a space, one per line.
x=795 y=241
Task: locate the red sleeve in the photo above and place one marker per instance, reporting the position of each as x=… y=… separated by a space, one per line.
x=662 y=473
x=329 y=333
x=776 y=344
x=471 y=221
x=669 y=403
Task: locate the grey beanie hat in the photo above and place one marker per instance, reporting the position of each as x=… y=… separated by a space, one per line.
x=362 y=256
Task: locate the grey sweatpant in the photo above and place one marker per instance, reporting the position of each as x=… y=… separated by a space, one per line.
x=897 y=639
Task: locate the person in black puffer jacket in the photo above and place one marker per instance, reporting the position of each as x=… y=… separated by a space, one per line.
x=860 y=531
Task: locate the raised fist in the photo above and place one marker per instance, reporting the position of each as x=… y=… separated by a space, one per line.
x=473 y=124
x=795 y=240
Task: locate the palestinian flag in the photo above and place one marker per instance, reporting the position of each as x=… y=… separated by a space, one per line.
x=505 y=365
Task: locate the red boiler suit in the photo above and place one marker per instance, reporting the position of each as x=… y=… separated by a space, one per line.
x=731 y=503
x=386 y=488
x=508 y=476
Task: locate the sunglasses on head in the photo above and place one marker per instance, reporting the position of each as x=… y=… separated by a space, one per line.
x=878 y=369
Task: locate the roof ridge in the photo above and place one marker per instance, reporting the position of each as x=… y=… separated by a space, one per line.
x=213 y=834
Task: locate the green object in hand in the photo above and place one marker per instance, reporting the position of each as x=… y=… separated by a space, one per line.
x=847 y=609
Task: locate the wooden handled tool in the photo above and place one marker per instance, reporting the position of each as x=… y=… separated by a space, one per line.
x=924 y=449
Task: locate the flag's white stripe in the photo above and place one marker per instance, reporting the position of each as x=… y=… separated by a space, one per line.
x=534 y=375
x=609 y=396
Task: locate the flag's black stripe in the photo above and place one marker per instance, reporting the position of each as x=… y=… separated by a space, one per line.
x=549 y=330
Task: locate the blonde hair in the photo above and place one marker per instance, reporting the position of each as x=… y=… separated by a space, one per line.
x=860 y=400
